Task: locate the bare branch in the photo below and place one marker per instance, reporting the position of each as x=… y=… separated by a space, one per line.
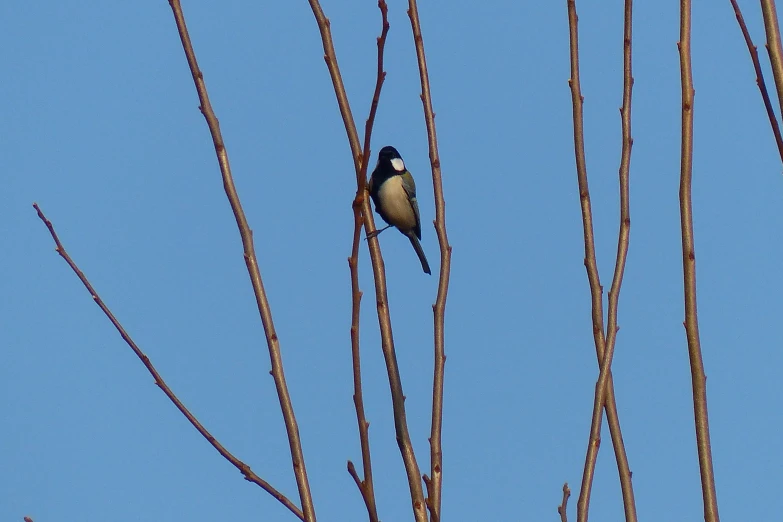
x=367 y=495
x=561 y=509
x=624 y=472
x=337 y=81
x=698 y=378
x=241 y=466
x=273 y=343
x=366 y=487
x=762 y=85
x=605 y=386
x=435 y=481
x=577 y=100
x=376 y=97
x=774 y=48
x=379 y=274
x=355 y=476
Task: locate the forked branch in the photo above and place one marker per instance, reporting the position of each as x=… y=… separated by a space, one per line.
x=379 y=273
x=366 y=487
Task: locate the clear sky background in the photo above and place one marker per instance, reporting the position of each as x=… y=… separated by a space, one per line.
x=101 y=128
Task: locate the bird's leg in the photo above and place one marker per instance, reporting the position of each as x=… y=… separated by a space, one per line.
x=376 y=232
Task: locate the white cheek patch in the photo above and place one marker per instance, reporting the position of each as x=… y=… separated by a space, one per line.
x=398 y=164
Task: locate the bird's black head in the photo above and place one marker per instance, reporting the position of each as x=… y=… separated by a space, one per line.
x=389 y=160
x=388 y=153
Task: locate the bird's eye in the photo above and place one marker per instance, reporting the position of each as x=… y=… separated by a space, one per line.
x=398 y=164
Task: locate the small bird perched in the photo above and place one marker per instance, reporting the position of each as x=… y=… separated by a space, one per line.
x=393 y=191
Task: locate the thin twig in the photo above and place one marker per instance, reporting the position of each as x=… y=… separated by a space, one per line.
x=561 y=509
x=355 y=476
x=435 y=481
x=762 y=85
x=577 y=100
x=241 y=466
x=379 y=274
x=591 y=266
x=774 y=48
x=324 y=26
x=698 y=377
x=624 y=472
x=273 y=343
x=366 y=487
x=376 y=97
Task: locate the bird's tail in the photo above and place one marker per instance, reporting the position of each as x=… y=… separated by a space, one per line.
x=419 y=252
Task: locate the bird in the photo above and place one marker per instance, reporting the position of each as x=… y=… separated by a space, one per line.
x=393 y=191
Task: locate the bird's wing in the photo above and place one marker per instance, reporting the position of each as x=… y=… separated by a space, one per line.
x=408 y=184
x=410 y=188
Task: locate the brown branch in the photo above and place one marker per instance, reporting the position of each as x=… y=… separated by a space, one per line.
x=366 y=487
x=769 y=12
x=273 y=343
x=367 y=495
x=605 y=382
x=624 y=472
x=698 y=378
x=379 y=274
x=324 y=27
x=435 y=480
x=577 y=100
x=762 y=85
x=379 y=79
x=355 y=476
x=561 y=509
x=241 y=466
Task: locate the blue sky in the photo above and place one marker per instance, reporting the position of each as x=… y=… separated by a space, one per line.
x=101 y=128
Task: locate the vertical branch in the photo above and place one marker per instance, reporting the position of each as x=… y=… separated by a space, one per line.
x=762 y=85
x=698 y=378
x=581 y=172
x=605 y=387
x=379 y=274
x=774 y=49
x=366 y=486
x=624 y=472
x=577 y=101
x=562 y=508
x=435 y=480
x=273 y=343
